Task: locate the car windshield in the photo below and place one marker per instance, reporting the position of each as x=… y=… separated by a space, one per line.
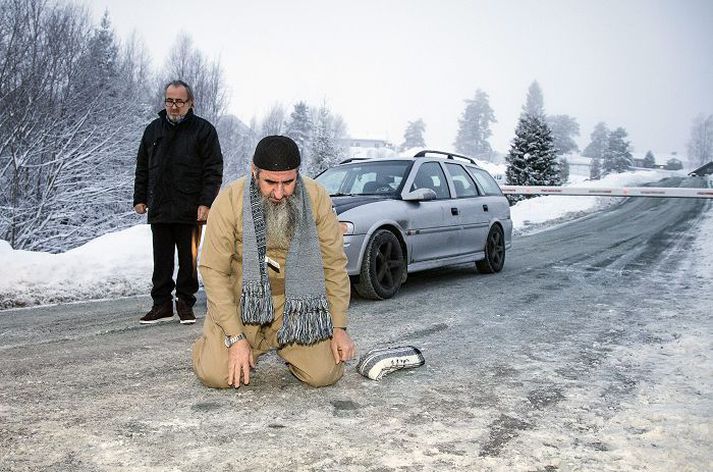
x=365 y=178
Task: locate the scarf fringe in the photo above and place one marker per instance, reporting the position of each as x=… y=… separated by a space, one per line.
x=256 y=303
x=305 y=321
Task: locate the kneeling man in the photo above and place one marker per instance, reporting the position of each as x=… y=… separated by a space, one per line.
x=274 y=271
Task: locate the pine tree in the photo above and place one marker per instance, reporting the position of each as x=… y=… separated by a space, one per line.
x=535 y=103
x=649 y=160
x=599 y=140
x=564 y=128
x=474 y=126
x=299 y=126
x=413 y=136
x=617 y=156
x=532 y=159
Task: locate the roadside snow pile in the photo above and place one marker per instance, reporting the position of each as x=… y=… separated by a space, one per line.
x=116 y=264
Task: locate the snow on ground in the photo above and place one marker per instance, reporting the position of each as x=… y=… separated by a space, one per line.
x=120 y=264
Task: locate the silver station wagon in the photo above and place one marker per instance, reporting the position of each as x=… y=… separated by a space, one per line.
x=403 y=215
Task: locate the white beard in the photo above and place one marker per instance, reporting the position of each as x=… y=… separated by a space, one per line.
x=281 y=220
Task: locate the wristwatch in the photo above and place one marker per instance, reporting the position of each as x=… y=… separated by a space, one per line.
x=230 y=340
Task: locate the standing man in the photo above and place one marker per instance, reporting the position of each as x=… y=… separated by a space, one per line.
x=274 y=270
x=179 y=169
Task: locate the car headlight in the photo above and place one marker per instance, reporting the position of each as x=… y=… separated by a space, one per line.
x=347 y=227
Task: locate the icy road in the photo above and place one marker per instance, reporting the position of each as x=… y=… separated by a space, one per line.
x=592 y=350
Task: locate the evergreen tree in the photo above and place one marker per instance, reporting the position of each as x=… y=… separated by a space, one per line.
x=595 y=170
x=299 y=126
x=649 y=160
x=532 y=159
x=599 y=140
x=617 y=156
x=564 y=129
x=535 y=103
x=474 y=126
x=413 y=136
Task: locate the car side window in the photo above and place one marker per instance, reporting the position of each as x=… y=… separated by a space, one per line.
x=463 y=183
x=486 y=181
x=430 y=175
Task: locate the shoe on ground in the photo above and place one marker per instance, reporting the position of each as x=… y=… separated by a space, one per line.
x=158 y=313
x=185 y=312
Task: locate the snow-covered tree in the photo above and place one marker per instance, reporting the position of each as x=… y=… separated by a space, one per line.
x=535 y=103
x=649 y=160
x=599 y=140
x=700 y=144
x=413 y=136
x=474 y=126
x=617 y=155
x=324 y=150
x=532 y=159
x=299 y=126
x=564 y=129
x=274 y=121
x=206 y=78
x=237 y=142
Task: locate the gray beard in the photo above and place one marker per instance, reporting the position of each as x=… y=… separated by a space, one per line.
x=281 y=220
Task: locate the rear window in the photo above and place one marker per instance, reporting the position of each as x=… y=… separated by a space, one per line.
x=486 y=181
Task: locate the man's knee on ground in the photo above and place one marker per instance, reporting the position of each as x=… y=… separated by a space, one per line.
x=319 y=376
x=209 y=371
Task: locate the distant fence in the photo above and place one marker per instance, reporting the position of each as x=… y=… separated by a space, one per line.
x=662 y=192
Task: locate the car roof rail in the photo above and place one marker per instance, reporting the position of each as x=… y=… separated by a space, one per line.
x=449 y=155
x=352 y=159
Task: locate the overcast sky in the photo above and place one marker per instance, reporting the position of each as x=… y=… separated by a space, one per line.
x=644 y=65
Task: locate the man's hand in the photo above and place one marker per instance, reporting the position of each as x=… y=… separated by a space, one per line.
x=240 y=360
x=203 y=213
x=342 y=345
x=140 y=208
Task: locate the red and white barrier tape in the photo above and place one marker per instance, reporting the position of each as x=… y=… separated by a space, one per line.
x=662 y=192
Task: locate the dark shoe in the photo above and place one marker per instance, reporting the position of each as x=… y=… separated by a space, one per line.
x=185 y=312
x=158 y=314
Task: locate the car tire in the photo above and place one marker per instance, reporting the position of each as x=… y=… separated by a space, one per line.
x=382 y=267
x=494 y=252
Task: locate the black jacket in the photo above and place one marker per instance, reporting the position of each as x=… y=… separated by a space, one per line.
x=178 y=168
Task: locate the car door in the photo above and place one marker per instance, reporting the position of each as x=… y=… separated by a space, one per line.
x=433 y=230
x=471 y=209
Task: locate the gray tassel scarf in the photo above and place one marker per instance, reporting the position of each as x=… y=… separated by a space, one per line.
x=306 y=318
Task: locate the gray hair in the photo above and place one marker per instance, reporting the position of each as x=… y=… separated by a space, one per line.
x=180 y=83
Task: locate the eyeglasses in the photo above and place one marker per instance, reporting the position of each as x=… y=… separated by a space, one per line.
x=177 y=103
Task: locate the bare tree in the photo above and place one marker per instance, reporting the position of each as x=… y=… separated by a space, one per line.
x=205 y=77
x=700 y=145
x=274 y=121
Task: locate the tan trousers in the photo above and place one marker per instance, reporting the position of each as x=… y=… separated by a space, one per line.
x=313 y=365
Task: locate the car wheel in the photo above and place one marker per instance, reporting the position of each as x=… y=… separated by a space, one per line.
x=382 y=267
x=494 y=252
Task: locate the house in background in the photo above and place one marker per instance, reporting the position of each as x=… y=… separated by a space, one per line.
x=368 y=148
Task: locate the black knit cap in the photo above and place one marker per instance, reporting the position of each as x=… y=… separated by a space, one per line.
x=277 y=153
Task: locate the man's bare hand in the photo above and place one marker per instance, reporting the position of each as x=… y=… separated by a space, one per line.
x=140 y=208
x=202 y=213
x=240 y=361
x=342 y=345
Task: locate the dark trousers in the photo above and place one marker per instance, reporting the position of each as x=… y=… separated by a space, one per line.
x=167 y=238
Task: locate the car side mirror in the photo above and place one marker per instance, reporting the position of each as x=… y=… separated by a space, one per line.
x=420 y=194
